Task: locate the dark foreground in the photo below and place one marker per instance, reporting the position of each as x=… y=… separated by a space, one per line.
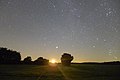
x=75 y=72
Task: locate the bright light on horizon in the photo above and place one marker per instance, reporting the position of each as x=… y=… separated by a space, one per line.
x=53 y=61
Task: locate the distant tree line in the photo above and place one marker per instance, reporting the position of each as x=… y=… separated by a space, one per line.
x=38 y=61
x=102 y=63
x=8 y=56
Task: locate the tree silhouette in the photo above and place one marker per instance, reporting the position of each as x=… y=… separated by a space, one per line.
x=9 y=56
x=41 y=61
x=27 y=60
x=66 y=59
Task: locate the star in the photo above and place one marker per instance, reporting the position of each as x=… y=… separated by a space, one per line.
x=56 y=47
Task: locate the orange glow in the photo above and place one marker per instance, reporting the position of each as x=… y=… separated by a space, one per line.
x=53 y=61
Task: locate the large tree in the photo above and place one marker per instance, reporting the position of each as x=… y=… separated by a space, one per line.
x=9 y=56
x=66 y=59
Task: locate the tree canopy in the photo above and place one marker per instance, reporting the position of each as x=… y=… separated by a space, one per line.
x=8 y=56
x=66 y=59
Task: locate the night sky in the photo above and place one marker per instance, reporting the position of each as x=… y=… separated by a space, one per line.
x=87 y=29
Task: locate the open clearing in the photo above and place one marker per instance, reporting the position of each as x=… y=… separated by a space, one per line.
x=75 y=72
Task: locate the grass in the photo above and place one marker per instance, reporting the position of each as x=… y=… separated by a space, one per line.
x=59 y=72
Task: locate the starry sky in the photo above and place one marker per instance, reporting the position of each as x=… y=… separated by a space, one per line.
x=87 y=29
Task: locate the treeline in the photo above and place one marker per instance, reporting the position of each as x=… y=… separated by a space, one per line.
x=8 y=56
x=38 y=61
x=111 y=63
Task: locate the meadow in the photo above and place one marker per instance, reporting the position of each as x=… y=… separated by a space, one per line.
x=59 y=72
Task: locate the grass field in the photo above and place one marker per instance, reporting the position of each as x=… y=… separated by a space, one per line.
x=75 y=72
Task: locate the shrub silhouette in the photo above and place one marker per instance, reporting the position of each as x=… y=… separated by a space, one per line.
x=41 y=61
x=66 y=59
x=9 y=56
x=27 y=60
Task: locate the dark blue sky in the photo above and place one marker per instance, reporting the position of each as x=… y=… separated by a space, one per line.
x=88 y=29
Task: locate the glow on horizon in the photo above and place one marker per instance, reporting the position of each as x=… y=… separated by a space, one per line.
x=53 y=61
